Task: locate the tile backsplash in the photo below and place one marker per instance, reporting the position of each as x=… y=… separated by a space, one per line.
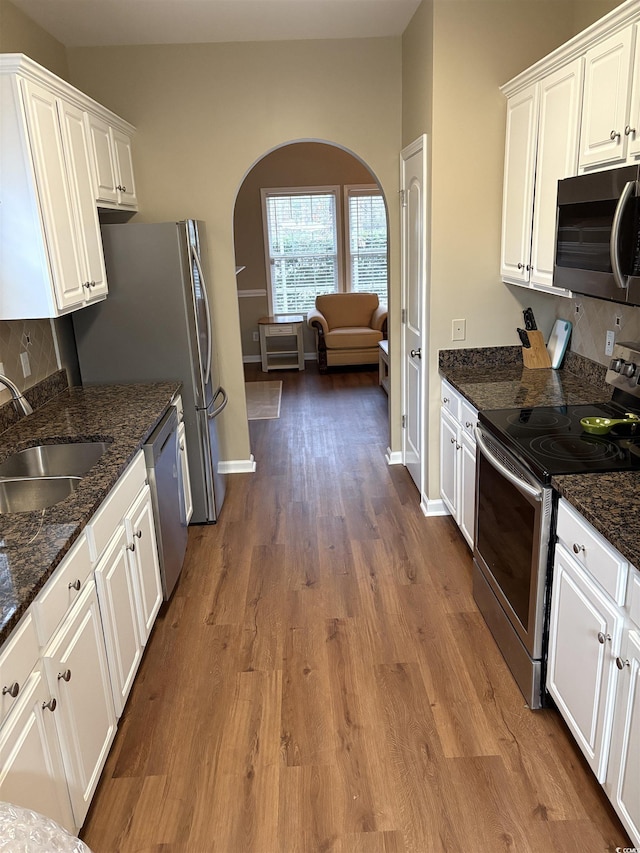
x=34 y=337
x=592 y=318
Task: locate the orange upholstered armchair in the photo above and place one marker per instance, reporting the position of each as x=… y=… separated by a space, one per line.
x=349 y=328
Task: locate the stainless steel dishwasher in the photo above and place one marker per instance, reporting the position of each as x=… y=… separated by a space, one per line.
x=161 y=453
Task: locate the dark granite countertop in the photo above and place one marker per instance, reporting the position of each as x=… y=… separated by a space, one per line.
x=494 y=378
x=32 y=544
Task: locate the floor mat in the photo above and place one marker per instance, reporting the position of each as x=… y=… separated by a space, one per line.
x=263 y=400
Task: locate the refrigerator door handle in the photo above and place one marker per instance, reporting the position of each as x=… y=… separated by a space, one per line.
x=205 y=298
x=218 y=409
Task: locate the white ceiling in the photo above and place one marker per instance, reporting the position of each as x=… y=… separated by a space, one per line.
x=91 y=23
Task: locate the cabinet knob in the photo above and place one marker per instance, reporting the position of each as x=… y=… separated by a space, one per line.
x=520 y=266
x=468 y=424
x=416 y=353
x=614 y=135
x=12 y=690
x=65 y=676
x=86 y=284
x=50 y=705
x=182 y=446
x=452 y=440
x=122 y=189
x=622 y=663
x=76 y=584
x=529 y=267
x=132 y=547
x=629 y=130
x=577 y=548
x=138 y=534
x=602 y=638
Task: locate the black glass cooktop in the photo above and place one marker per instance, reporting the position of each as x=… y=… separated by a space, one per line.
x=551 y=440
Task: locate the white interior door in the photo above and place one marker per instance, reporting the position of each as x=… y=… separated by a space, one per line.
x=413 y=194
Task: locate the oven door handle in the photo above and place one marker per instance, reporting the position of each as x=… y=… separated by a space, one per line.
x=618 y=276
x=532 y=488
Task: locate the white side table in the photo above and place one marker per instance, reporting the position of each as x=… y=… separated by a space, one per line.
x=286 y=331
x=383 y=365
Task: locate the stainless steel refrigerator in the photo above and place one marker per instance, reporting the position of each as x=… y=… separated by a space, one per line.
x=155 y=324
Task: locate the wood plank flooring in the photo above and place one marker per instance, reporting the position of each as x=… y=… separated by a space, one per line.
x=322 y=680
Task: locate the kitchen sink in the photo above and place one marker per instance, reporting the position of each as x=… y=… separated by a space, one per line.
x=72 y=459
x=35 y=493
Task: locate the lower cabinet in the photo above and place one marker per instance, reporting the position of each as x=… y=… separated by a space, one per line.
x=458 y=420
x=593 y=670
x=78 y=676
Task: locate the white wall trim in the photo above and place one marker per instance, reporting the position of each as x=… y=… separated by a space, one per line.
x=245 y=294
x=393 y=457
x=251 y=359
x=430 y=508
x=237 y=466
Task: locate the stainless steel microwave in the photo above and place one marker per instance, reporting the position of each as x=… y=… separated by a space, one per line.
x=598 y=235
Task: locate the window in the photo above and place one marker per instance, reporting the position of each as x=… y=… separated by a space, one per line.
x=366 y=241
x=303 y=244
x=302 y=247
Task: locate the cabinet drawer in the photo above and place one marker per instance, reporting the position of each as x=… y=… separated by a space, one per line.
x=280 y=330
x=606 y=565
x=18 y=657
x=103 y=524
x=450 y=399
x=633 y=597
x=468 y=418
x=61 y=590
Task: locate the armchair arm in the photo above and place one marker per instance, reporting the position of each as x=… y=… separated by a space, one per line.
x=379 y=319
x=316 y=319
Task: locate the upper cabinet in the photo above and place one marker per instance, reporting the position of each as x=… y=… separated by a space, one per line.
x=51 y=257
x=576 y=110
x=114 y=184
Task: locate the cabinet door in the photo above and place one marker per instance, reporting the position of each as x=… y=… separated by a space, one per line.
x=584 y=635
x=118 y=609
x=31 y=768
x=557 y=158
x=604 y=109
x=78 y=677
x=449 y=465
x=124 y=169
x=519 y=171
x=187 y=499
x=143 y=555
x=632 y=129
x=55 y=196
x=103 y=161
x=467 y=488
x=623 y=781
x=77 y=145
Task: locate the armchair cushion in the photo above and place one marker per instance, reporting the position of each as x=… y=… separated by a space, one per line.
x=354 y=337
x=343 y=310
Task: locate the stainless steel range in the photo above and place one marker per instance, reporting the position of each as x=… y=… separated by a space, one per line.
x=520 y=450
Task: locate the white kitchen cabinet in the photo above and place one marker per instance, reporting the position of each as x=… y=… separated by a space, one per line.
x=608 y=70
x=118 y=608
x=541 y=148
x=187 y=500
x=31 y=769
x=584 y=639
x=114 y=182
x=632 y=129
x=50 y=238
x=458 y=420
x=78 y=677
x=142 y=552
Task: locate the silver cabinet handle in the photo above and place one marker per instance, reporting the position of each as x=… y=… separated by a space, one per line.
x=622 y=663
x=577 y=548
x=65 y=676
x=76 y=584
x=50 y=705
x=12 y=690
x=614 y=135
x=416 y=353
x=629 y=130
x=602 y=638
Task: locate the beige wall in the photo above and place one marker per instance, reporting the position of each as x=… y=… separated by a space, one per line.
x=19 y=34
x=303 y=164
x=206 y=113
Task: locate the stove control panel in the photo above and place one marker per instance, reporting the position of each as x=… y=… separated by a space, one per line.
x=624 y=368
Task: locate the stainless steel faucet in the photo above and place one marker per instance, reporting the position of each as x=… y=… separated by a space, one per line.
x=20 y=402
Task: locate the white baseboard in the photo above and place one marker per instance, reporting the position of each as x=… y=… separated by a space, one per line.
x=251 y=359
x=430 y=508
x=237 y=466
x=393 y=457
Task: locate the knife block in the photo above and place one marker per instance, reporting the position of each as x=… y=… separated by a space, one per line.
x=536 y=356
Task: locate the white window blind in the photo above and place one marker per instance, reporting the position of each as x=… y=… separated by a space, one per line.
x=367 y=242
x=302 y=245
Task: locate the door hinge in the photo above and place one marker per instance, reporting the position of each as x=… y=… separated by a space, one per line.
x=403 y=317
x=403 y=198
x=404 y=422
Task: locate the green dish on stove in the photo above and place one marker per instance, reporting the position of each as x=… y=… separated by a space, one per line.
x=601 y=426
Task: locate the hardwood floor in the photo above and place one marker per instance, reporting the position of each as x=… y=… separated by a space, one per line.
x=322 y=680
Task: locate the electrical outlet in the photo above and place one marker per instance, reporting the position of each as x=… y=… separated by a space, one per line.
x=458 y=330
x=26 y=367
x=611 y=339
x=256 y=337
